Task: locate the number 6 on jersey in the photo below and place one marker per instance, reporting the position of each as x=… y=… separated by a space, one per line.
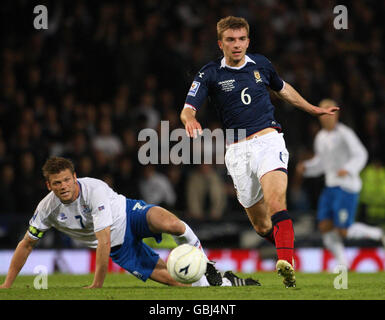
x=246 y=99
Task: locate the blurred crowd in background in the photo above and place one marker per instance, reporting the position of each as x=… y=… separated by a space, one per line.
x=104 y=70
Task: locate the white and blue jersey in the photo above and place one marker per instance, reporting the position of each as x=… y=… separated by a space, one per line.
x=240 y=94
x=334 y=150
x=96 y=208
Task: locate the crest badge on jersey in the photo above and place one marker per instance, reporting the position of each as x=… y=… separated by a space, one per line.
x=62 y=217
x=194 y=88
x=257 y=76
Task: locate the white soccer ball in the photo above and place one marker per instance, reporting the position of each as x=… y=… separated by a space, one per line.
x=186 y=263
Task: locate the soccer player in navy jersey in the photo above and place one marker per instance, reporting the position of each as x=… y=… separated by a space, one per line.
x=237 y=85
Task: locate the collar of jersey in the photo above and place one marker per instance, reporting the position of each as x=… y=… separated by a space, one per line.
x=80 y=189
x=247 y=59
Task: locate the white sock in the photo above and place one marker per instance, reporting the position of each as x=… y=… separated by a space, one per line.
x=360 y=230
x=226 y=282
x=202 y=282
x=333 y=242
x=188 y=237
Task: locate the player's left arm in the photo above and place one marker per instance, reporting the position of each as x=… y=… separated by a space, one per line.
x=290 y=95
x=102 y=257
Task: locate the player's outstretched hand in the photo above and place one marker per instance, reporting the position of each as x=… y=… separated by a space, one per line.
x=193 y=128
x=326 y=110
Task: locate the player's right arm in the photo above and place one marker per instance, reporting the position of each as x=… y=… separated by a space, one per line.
x=22 y=252
x=312 y=167
x=191 y=124
x=196 y=96
x=38 y=225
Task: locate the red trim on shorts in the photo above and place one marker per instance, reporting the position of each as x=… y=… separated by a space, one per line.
x=279 y=129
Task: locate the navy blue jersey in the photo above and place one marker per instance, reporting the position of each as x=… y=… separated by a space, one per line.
x=240 y=95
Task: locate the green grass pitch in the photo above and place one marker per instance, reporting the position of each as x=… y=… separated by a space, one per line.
x=310 y=286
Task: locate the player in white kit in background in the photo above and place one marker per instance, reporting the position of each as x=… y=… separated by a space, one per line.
x=88 y=210
x=340 y=156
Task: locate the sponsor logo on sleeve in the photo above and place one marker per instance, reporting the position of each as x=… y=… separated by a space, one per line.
x=194 y=88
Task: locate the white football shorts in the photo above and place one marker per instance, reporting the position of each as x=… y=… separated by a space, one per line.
x=247 y=161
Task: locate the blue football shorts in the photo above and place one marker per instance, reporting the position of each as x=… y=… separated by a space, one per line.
x=337 y=205
x=134 y=255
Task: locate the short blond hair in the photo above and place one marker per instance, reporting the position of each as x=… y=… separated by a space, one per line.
x=231 y=22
